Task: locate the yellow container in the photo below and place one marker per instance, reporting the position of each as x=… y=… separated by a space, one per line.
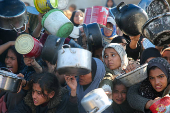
x=43 y=6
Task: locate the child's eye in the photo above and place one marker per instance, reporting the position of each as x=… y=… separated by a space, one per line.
x=113 y=55
x=106 y=56
x=150 y=78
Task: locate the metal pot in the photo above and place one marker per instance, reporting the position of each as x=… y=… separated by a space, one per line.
x=93 y=34
x=96 y=101
x=157 y=29
x=51 y=47
x=134 y=76
x=154 y=7
x=130 y=18
x=13 y=15
x=9 y=81
x=74 y=61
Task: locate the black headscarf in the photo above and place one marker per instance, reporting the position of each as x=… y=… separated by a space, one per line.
x=119 y=39
x=146 y=89
x=148 y=53
x=72 y=18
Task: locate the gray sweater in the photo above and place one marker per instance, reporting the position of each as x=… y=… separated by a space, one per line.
x=135 y=100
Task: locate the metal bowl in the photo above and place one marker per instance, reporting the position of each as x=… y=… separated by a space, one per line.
x=134 y=76
x=96 y=101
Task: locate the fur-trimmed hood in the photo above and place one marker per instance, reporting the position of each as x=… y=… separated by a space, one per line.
x=52 y=104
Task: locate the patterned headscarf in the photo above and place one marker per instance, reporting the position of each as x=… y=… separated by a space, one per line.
x=123 y=56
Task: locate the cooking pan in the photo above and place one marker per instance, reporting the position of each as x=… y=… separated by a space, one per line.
x=157 y=29
x=154 y=7
x=9 y=81
x=13 y=15
x=74 y=61
x=51 y=47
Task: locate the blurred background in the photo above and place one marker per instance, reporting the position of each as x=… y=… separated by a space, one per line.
x=81 y=4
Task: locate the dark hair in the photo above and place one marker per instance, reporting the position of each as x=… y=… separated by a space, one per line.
x=113 y=3
x=117 y=82
x=47 y=81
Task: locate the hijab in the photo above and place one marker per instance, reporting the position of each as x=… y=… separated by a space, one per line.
x=113 y=33
x=112 y=5
x=148 y=53
x=123 y=56
x=146 y=89
x=72 y=17
x=97 y=76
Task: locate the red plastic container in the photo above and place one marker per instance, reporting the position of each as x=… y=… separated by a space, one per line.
x=87 y=16
x=99 y=15
x=161 y=106
x=29 y=46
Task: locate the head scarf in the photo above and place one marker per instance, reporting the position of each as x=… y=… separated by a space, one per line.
x=112 y=5
x=123 y=56
x=146 y=89
x=72 y=17
x=119 y=39
x=148 y=53
x=99 y=74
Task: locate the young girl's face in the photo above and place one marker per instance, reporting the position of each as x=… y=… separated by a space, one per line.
x=112 y=58
x=158 y=79
x=38 y=97
x=119 y=94
x=78 y=17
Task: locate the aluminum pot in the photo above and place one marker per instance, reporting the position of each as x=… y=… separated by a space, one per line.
x=9 y=81
x=134 y=76
x=96 y=101
x=154 y=7
x=74 y=61
x=13 y=15
x=51 y=47
x=157 y=29
x=130 y=18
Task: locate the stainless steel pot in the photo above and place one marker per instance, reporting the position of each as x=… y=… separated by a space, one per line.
x=154 y=7
x=13 y=15
x=96 y=101
x=134 y=76
x=51 y=47
x=74 y=61
x=130 y=18
x=157 y=29
x=9 y=81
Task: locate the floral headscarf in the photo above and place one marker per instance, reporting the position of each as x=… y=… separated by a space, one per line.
x=123 y=56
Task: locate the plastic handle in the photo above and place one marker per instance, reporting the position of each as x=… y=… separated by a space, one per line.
x=94 y=110
x=119 y=5
x=17 y=30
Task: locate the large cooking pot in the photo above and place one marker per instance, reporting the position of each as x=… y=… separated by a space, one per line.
x=96 y=101
x=134 y=76
x=157 y=29
x=74 y=61
x=9 y=81
x=51 y=47
x=130 y=18
x=13 y=15
x=154 y=7
x=93 y=34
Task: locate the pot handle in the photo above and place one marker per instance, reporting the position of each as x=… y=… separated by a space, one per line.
x=69 y=48
x=17 y=30
x=94 y=110
x=119 y=5
x=5 y=69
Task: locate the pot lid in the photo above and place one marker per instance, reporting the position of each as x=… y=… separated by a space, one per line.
x=11 y=8
x=24 y=43
x=32 y=10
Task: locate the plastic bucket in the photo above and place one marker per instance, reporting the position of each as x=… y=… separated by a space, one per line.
x=29 y=46
x=87 y=16
x=45 y=5
x=56 y=23
x=99 y=15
